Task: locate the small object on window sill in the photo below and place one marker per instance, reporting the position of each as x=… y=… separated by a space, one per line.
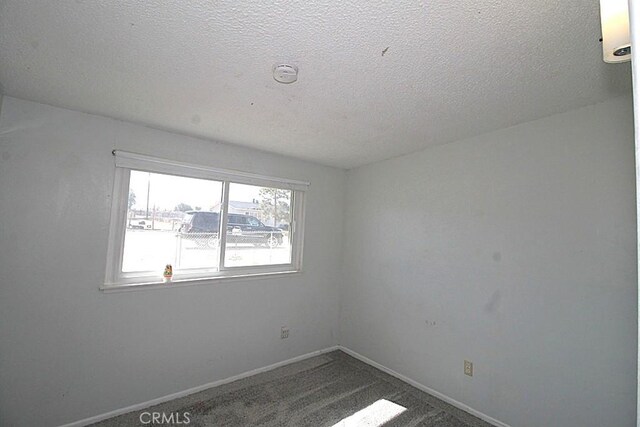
x=168 y=273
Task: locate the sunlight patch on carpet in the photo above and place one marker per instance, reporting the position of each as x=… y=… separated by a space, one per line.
x=374 y=415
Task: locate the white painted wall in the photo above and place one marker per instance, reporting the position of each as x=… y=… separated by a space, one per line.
x=515 y=250
x=70 y=351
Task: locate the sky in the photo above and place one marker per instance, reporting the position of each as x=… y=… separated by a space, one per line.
x=167 y=191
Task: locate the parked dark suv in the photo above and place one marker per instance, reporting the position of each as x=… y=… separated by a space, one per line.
x=203 y=226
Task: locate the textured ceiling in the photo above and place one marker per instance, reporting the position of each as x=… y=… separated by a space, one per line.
x=377 y=78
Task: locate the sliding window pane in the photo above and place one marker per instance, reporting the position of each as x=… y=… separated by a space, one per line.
x=171 y=220
x=258 y=226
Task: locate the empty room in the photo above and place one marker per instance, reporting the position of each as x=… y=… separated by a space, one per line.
x=324 y=214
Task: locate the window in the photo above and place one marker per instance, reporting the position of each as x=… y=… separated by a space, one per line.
x=251 y=242
x=206 y=223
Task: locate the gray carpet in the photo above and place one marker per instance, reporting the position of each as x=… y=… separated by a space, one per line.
x=325 y=390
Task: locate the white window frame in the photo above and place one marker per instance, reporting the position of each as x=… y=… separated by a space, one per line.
x=125 y=162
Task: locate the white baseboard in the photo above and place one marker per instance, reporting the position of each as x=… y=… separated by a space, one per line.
x=197 y=389
x=424 y=388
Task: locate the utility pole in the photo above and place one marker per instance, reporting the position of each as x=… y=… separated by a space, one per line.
x=148 y=191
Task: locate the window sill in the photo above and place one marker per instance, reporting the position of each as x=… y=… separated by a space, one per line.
x=129 y=287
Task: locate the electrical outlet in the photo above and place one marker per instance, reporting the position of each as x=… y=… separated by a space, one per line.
x=284 y=332
x=468 y=368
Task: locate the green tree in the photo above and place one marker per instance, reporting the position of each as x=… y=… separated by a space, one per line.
x=275 y=204
x=132 y=199
x=183 y=207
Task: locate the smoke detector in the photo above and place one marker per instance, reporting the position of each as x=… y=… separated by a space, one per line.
x=285 y=73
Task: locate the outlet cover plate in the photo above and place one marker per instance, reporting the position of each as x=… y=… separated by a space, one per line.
x=284 y=332
x=468 y=368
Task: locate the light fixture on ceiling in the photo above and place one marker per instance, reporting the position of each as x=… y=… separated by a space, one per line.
x=285 y=73
x=616 y=42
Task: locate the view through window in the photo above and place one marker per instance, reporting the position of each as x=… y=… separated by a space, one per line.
x=258 y=226
x=171 y=220
x=177 y=220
